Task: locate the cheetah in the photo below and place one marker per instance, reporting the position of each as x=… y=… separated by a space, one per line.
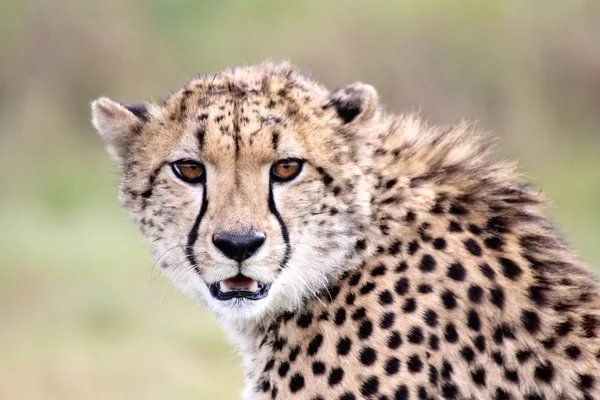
x=351 y=253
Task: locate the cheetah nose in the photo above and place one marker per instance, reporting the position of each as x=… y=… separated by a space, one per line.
x=238 y=247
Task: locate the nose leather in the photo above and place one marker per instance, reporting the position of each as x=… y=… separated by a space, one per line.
x=238 y=247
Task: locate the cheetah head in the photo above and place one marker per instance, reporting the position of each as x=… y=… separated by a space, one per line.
x=248 y=184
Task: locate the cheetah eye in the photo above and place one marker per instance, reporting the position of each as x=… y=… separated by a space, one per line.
x=189 y=171
x=286 y=170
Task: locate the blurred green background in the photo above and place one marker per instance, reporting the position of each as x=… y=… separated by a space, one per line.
x=83 y=313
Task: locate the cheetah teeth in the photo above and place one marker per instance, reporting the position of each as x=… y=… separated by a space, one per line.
x=224 y=288
x=253 y=286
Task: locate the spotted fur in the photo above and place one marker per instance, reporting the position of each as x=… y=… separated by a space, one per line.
x=405 y=263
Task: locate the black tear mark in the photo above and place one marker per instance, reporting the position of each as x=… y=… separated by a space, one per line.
x=193 y=235
x=284 y=230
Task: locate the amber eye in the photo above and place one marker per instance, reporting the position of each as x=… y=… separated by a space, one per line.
x=189 y=171
x=286 y=170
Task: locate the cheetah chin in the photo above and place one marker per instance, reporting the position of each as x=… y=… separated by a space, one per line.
x=351 y=253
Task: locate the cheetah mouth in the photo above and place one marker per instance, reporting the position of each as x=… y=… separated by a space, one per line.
x=241 y=287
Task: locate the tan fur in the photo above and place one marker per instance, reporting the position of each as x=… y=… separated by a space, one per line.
x=418 y=268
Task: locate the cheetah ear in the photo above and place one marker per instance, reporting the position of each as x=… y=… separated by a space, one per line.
x=355 y=103
x=118 y=124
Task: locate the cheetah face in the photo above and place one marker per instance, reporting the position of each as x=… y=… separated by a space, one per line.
x=248 y=187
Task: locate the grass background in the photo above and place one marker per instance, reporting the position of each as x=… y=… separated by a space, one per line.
x=83 y=313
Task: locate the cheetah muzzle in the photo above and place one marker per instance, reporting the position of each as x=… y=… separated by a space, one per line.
x=350 y=253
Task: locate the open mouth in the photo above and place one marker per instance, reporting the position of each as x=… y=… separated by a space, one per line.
x=239 y=286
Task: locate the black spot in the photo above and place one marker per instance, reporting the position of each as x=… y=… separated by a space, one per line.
x=498 y=358
x=449 y=300
x=433 y=375
x=347 y=396
x=327 y=179
x=370 y=386
x=511 y=375
x=410 y=305
x=368 y=356
x=318 y=368
x=473 y=320
x=531 y=321
x=315 y=344
x=365 y=329
x=296 y=383
x=487 y=271
x=386 y=298
x=457 y=272
x=475 y=293
x=360 y=245
x=410 y=216
x=434 y=342
x=586 y=382
x=269 y=365
x=340 y=316
x=439 y=243
x=354 y=279
x=497 y=297
x=510 y=268
x=431 y=318
x=350 y=297
x=395 y=340
x=294 y=353
x=564 y=328
x=449 y=391
x=480 y=343
x=414 y=364
x=395 y=248
x=360 y=313
x=387 y=321
x=467 y=353
x=392 y=366
x=473 y=247
x=379 y=270
x=503 y=331
x=401 y=393
x=367 y=288
x=478 y=376
x=402 y=286
x=425 y=288
x=447 y=370
x=283 y=369
x=573 y=352
x=457 y=209
x=305 y=320
x=589 y=324
x=524 y=355
x=502 y=394
x=335 y=376
x=428 y=263
x=413 y=247
x=544 y=372
x=494 y=243
x=537 y=294
x=402 y=266
x=415 y=335
x=475 y=230
x=451 y=334
x=455 y=227
x=497 y=224
x=343 y=346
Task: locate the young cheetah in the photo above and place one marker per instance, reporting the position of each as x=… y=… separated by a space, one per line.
x=350 y=253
